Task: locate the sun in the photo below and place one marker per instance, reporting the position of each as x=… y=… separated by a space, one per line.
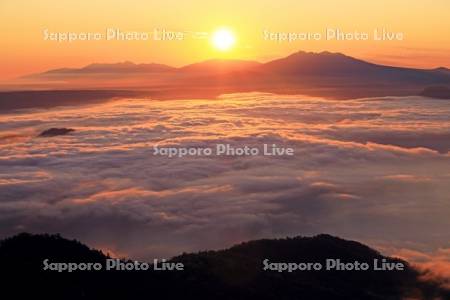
x=223 y=39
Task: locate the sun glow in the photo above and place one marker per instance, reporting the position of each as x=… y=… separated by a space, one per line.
x=223 y=39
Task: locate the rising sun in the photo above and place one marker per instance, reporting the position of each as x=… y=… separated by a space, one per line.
x=223 y=39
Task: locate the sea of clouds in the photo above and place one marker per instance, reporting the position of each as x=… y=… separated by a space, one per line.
x=376 y=170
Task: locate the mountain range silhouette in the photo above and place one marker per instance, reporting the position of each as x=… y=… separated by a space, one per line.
x=300 y=63
x=323 y=74
x=234 y=273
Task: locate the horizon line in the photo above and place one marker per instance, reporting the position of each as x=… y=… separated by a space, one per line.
x=230 y=59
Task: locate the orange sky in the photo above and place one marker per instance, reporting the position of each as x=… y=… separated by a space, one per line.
x=425 y=25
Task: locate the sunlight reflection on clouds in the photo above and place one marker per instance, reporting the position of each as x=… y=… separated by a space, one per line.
x=369 y=169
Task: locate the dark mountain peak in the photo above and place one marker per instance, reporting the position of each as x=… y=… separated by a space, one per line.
x=34 y=248
x=124 y=64
x=316 y=248
x=329 y=68
x=320 y=55
x=442 y=70
x=330 y=53
x=312 y=63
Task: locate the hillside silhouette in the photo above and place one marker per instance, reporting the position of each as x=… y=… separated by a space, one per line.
x=234 y=273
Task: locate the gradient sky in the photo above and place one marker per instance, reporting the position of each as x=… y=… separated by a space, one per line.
x=425 y=24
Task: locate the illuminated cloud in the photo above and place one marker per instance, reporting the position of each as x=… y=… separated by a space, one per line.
x=361 y=168
x=435 y=265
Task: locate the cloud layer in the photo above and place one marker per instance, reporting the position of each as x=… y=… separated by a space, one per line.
x=369 y=169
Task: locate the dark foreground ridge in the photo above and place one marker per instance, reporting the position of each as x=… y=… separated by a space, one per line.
x=235 y=273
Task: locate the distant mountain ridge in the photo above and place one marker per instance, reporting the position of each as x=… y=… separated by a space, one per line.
x=337 y=65
x=234 y=273
x=209 y=66
x=301 y=62
x=323 y=74
x=125 y=67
